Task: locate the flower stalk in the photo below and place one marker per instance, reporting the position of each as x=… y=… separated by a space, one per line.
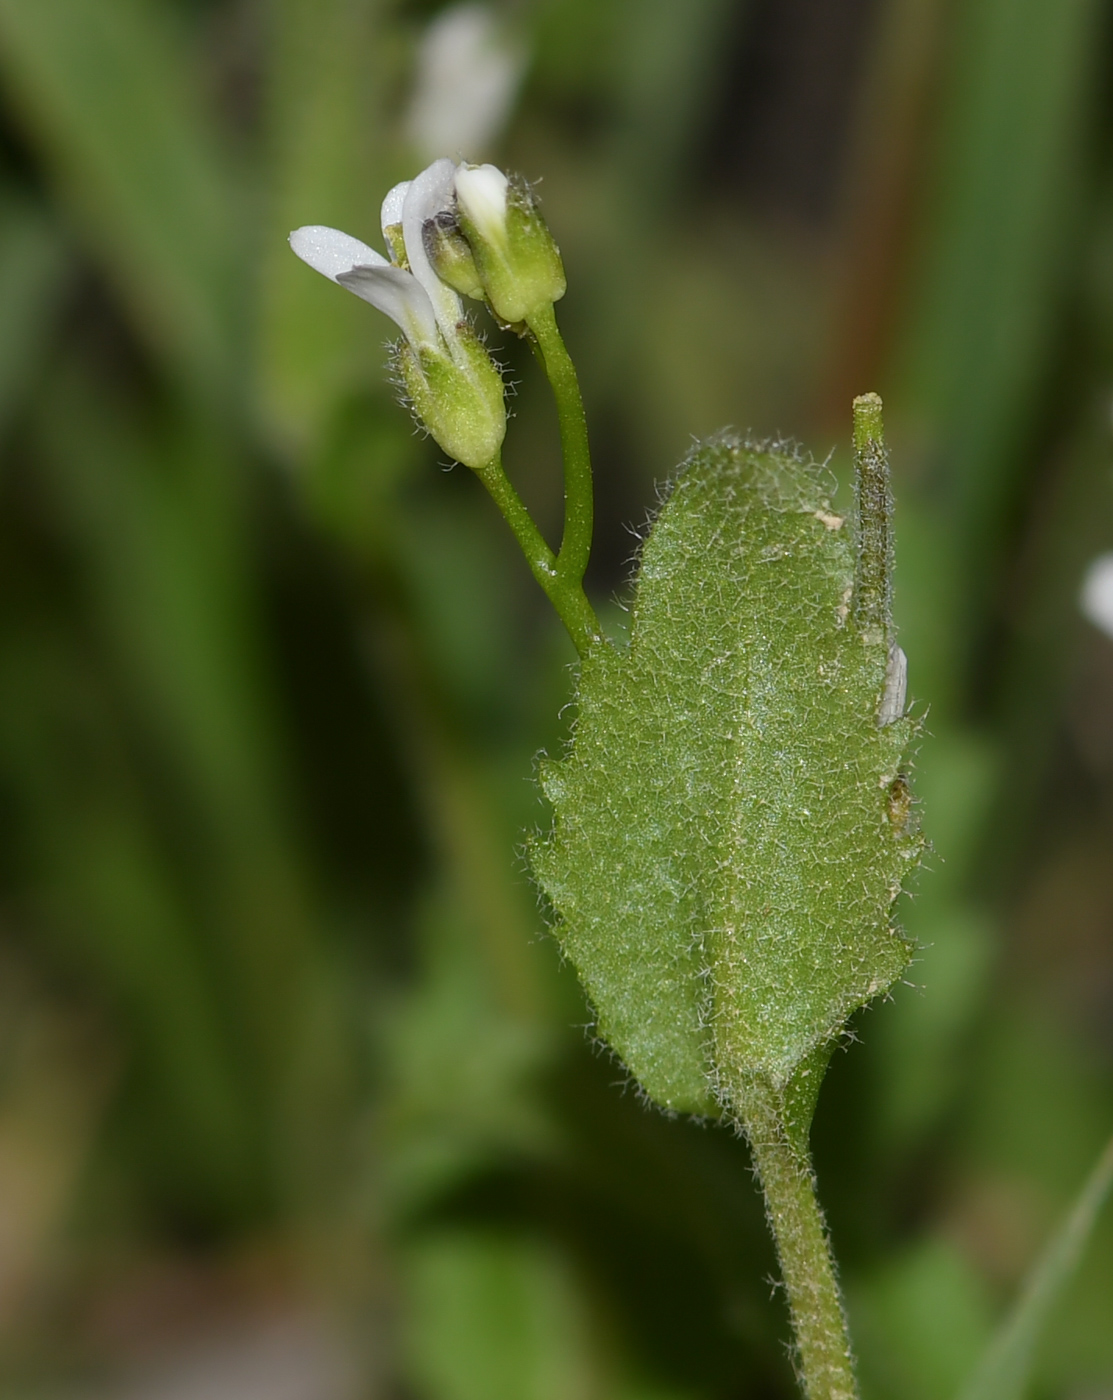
x=579 y=507
x=564 y=592
x=824 y=1360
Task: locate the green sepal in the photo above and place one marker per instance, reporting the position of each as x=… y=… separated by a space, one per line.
x=519 y=262
x=458 y=396
x=731 y=822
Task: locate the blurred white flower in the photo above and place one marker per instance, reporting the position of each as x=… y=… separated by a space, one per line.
x=468 y=74
x=1096 y=599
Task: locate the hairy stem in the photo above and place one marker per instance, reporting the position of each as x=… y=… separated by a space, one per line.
x=780 y=1153
x=575 y=546
x=566 y=594
x=873 y=578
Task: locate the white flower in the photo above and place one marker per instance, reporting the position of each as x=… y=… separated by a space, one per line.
x=1096 y=600
x=362 y=270
x=427 y=195
x=453 y=384
x=469 y=70
x=414 y=297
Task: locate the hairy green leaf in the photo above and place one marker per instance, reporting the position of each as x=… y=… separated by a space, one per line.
x=733 y=822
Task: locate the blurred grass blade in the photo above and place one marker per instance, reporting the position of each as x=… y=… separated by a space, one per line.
x=492 y=1318
x=662 y=89
x=169 y=563
x=1004 y=1371
x=995 y=239
x=33 y=276
x=327 y=167
x=110 y=906
x=101 y=88
x=169 y=578
x=998 y=244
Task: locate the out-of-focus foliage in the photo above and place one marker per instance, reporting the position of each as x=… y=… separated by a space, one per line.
x=290 y=1083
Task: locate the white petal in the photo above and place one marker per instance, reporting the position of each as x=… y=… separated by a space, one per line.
x=352 y=264
x=1096 y=600
x=469 y=70
x=481 y=190
x=392 y=205
x=332 y=252
x=896 y=687
x=397 y=293
x=428 y=195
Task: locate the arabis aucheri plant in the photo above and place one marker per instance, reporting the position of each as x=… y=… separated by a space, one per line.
x=733 y=821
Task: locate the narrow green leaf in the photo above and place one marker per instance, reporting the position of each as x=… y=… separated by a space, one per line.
x=103 y=91
x=1005 y=1370
x=998 y=245
x=166 y=570
x=33 y=276
x=732 y=822
x=104 y=893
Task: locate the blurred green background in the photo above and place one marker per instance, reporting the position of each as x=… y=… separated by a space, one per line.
x=296 y=1098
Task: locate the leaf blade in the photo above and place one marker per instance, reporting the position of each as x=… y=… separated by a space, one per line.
x=725 y=851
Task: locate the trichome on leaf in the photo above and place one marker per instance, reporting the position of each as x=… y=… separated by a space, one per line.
x=732 y=822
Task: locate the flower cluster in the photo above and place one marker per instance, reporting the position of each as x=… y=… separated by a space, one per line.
x=452 y=231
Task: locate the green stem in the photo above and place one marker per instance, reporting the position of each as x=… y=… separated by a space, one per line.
x=566 y=594
x=575 y=546
x=873 y=576
x=824 y=1357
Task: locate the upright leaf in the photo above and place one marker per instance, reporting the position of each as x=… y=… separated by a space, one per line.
x=33 y=276
x=1006 y=1367
x=997 y=247
x=326 y=128
x=732 y=823
x=103 y=90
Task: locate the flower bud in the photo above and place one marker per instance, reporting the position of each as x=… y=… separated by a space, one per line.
x=517 y=260
x=449 y=252
x=458 y=396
